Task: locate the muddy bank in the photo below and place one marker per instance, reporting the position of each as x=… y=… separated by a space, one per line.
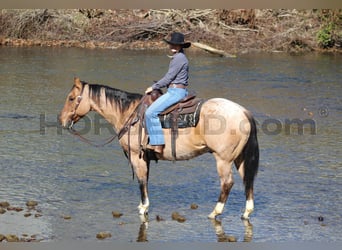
x=234 y=31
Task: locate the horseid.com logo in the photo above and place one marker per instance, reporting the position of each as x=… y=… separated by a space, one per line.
x=96 y=124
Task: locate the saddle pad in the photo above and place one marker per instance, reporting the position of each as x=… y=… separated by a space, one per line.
x=183 y=120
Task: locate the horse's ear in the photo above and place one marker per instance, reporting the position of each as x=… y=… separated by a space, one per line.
x=77 y=83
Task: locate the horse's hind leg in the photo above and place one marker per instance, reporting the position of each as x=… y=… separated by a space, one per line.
x=224 y=169
x=239 y=163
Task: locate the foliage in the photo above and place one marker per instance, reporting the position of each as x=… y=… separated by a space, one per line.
x=330 y=34
x=325 y=36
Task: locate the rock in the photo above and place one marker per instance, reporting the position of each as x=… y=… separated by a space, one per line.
x=31 y=203
x=116 y=214
x=27 y=215
x=159 y=218
x=18 y=209
x=12 y=238
x=103 y=235
x=38 y=215
x=176 y=216
x=4 y=204
x=2 y=237
x=193 y=206
x=66 y=217
x=2 y=211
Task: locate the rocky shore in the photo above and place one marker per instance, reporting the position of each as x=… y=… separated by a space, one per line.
x=30 y=210
x=19 y=42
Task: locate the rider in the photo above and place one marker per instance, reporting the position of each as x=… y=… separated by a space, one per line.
x=176 y=79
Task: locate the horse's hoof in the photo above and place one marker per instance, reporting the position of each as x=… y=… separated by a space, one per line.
x=143 y=210
x=243 y=217
x=246 y=215
x=212 y=216
x=143 y=218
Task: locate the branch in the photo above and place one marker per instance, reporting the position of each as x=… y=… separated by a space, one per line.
x=212 y=50
x=237 y=29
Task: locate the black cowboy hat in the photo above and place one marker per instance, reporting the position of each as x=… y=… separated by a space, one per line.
x=177 y=38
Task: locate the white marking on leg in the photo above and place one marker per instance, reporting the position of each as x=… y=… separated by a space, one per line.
x=217 y=211
x=143 y=208
x=249 y=209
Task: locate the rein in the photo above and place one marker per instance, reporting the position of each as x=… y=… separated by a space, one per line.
x=82 y=138
x=129 y=122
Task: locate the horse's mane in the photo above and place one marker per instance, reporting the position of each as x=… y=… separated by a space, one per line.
x=120 y=98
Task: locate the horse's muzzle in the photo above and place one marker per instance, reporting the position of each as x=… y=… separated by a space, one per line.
x=65 y=123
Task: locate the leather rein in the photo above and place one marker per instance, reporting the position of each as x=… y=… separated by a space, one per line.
x=129 y=122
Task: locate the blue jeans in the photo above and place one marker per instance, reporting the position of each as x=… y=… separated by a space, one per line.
x=154 y=128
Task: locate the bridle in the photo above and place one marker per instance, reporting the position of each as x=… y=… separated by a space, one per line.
x=130 y=122
x=72 y=131
x=78 y=102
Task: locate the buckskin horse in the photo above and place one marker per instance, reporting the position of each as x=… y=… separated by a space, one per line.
x=225 y=129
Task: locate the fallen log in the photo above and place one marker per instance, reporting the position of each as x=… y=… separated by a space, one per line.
x=212 y=50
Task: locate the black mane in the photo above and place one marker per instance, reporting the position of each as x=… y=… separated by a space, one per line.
x=118 y=97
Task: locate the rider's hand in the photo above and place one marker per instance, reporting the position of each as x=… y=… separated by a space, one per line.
x=148 y=90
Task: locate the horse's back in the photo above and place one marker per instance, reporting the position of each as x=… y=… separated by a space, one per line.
x=224 y=107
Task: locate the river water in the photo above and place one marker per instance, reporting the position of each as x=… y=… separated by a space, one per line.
x=297 y=190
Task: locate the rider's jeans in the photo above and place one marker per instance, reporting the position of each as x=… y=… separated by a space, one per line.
x=172 y=96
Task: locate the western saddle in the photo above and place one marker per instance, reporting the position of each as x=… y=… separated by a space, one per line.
x=183 y=114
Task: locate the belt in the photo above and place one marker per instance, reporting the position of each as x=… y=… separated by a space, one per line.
x=175 y=85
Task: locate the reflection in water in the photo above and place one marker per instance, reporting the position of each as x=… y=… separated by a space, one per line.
x=219 y=231
x=248 y=231
x=142 y=235
x=223 y=237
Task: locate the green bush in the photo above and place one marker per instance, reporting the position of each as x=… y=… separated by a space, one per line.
x=325 y=36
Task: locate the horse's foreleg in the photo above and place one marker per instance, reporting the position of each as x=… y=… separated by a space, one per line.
x=224 y=170
x=144 y=202
x=141 y=168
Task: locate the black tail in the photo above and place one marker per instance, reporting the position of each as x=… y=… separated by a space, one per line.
x=251 y=156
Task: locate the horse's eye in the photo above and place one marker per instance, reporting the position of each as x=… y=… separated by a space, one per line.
x=71 y=99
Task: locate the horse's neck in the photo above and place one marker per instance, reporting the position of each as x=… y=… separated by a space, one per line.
x=112 y=113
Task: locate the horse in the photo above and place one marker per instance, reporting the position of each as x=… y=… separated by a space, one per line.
x=225 y=129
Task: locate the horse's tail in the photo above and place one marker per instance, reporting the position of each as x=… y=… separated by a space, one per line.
x=251 y=156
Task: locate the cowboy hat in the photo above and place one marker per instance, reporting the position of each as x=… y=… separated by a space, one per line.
x=177 y=38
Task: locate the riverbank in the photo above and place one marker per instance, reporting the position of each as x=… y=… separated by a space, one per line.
x=233 y=31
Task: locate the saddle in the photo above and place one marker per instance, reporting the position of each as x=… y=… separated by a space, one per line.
x=183 y=114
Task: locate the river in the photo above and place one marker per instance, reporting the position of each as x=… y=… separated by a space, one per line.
x=296 y=101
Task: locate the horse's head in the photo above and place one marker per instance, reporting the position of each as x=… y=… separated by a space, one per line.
x=76 y=104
